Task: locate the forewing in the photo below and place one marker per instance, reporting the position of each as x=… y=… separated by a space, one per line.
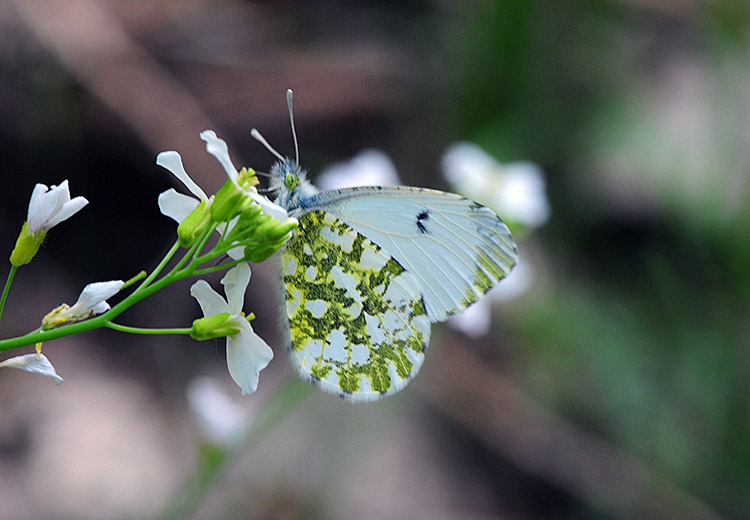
x=456 y=248
x=356 y=317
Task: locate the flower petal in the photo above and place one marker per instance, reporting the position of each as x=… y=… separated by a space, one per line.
x=50 y=206
x=268 y=207
x=515 y=190
x=37 y=211
x=235 y=284
x=100 y=308
x=55 y=199
x=247 y=355
x=368 y=168
x=210 y=301
x=176 y=205
x=40 y=208
x=36 y=363
x=172 y=161
x=95 y=293
x=219 y=149
x=468 y=164
x=475 y=321
x=524 y=196
x=67 y=210
x=520 y=280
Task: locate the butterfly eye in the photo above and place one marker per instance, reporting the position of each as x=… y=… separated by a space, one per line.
x=291 y=181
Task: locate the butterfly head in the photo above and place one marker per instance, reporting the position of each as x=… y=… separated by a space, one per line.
x=288 y=180
x=289 y=183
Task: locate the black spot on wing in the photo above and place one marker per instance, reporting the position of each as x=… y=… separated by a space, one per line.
x=422 y=219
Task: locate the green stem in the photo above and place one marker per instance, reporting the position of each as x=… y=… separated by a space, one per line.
x=148 y=287
x=40 y=336
x=136 y=296
x=219 y=267
x=161 y=265
x=194 y=252
x=216 y=459
x=141 y=330
x=134 y=279
x=6 y=290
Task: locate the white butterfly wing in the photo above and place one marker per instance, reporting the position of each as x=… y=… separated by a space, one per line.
x=356 y=319
x=457 y=249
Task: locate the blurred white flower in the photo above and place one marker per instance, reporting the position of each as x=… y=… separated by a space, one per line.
x=219 y=149
x=515 y=190
x=50 y=206
x=36 y=363
x=219 y=417
x=368 y=168
x=247 y=353
x=90 y=303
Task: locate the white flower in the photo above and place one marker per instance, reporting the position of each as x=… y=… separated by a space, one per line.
x=368 y=168
x=92 y=298
x=171 y=203
x=515 y=190
x=218 y=148
x=247 y=353
x=90 y=303
x=50 y=206
x=36 y=363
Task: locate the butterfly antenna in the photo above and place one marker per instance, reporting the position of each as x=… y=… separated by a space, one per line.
x=291 y=120
x=254 y=132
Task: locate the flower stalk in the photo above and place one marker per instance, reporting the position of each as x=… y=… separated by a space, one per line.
x=6 y=289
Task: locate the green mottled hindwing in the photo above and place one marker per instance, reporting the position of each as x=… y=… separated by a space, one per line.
x=357 y=318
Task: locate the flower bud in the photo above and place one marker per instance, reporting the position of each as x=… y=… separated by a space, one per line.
x=231 y=199
x=194 y=224
x=215 y=326
x=27 y=245
x=275 y=231
x=268 y=236
x=248 y=221
x=260 y=253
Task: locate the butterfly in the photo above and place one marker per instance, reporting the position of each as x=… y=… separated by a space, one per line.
x=370 y=269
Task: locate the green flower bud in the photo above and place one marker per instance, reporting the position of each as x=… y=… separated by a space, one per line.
x=216 y=326
x=267 y=238
x=250 y=218
x=280 y=230
x=27 y=245
x=259 y=253
x=231 y=200
x=195 y=223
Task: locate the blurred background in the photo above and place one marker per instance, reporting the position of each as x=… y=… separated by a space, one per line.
x=614 y=386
